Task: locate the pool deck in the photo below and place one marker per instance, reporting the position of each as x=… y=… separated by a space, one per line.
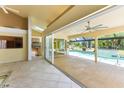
x=86 y=72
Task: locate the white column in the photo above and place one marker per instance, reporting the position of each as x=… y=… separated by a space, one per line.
x=65 y=42
x=96 y=49
x=29 y=39
x=43 y=47
x=52 y=48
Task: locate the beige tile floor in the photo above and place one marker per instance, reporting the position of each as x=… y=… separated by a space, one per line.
x=91 y=75
x=36 y=74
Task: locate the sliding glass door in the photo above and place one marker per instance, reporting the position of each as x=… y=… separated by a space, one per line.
x=49 y=49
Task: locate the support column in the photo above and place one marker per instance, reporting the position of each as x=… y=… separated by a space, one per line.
x=43 y=47
x=29 y=39
x=52 y=48
x=96 y=50
x=65 y=47
x=87 y=44
x=90 y=44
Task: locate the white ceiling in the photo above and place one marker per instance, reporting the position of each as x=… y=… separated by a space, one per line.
x=41 y=15
x=77 y=12
x=112 y=19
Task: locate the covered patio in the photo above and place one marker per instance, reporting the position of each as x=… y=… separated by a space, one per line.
x=86 y=72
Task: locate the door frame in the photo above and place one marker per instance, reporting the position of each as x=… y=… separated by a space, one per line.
x=52 y=50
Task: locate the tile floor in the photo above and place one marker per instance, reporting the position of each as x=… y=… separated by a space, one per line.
x=91 y=75
x=36 y=74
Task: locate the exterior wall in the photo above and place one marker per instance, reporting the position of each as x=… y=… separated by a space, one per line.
x=16 y=54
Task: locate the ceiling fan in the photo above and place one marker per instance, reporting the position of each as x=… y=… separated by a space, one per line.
x=7 y=9
x=93 y=28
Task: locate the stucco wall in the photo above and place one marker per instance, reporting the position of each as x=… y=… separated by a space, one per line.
x=15 y=54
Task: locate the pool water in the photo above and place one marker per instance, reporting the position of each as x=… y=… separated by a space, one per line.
x=103 y=55
x=110 y=54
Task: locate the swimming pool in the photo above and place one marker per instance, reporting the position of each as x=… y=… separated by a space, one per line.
x=104 y=55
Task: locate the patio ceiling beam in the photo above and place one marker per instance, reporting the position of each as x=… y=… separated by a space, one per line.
x=99 y=32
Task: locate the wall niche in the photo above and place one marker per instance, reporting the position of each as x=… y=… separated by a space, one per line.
x=11 y=42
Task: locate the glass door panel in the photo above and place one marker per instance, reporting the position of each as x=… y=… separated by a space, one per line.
x=49 y=53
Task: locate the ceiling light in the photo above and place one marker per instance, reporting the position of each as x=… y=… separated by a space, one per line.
x=37 y=28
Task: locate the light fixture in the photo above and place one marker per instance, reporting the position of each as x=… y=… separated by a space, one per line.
x=37 y=28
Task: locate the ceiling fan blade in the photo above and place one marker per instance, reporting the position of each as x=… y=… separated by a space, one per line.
x=3 y=8
x=103 y=27
x=12 y=10
x=97 y=26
